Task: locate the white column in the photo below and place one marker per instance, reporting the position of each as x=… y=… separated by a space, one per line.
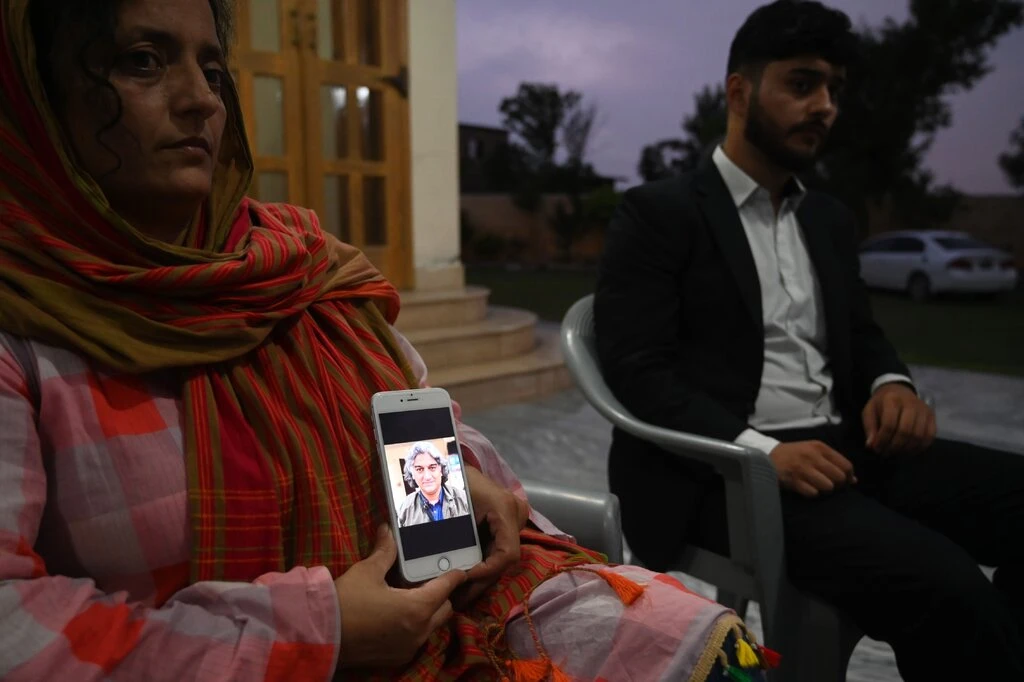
x=433 y=94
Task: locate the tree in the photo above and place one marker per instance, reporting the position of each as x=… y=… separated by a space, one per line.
x=577 y=131
x=552 y=132
x=1012 y=162
x=704 y=128
x=896 y=103
x=536 y=115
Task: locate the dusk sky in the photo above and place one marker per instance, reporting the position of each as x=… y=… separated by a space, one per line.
x=642 y=61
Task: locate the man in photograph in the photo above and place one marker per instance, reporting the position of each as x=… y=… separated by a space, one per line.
x=433 y=499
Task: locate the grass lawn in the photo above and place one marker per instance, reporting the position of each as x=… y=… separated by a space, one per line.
x=549 y=293
x=981 y=335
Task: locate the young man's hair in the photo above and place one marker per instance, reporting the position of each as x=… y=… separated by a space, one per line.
x=785 y=29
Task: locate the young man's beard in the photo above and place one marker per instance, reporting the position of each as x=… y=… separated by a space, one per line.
x=770 y=140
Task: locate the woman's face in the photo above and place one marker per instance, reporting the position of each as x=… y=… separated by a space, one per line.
x=156 y=164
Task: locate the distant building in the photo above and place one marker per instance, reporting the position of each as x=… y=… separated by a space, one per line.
x=486 y=164
x=480 y=147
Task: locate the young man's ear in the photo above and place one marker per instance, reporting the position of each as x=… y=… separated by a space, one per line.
x=738 y=89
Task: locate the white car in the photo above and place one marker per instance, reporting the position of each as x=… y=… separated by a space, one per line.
x=926 y=262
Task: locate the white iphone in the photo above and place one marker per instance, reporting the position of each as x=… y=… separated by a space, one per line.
x=427 y=487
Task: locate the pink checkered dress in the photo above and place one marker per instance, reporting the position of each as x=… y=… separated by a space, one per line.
x=94 y=552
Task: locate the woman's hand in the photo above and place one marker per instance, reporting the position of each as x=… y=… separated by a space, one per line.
x=505 y=515
x=383 y=625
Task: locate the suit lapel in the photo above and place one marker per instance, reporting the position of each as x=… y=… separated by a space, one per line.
x=814 y=226
x=720 y=210
x=815 y=220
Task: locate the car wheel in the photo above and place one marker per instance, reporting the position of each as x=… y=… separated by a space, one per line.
x=919 y=288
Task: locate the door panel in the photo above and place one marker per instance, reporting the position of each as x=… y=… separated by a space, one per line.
x=356 y=125
x=265 y=64
x=322 y=85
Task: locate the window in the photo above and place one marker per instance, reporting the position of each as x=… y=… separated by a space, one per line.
x=960 y=243
x=908 y=245
x=894 y=245
x=473 y=148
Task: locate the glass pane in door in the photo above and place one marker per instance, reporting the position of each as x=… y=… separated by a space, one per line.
x=265 y=25
x=334 y=121
x=369 y=32
x=335 y=218
x=272 y=187
x=268 y=95
x=330 y=45
x=375 y=210
x=371 y=112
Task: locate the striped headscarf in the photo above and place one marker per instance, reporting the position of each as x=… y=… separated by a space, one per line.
x=278 y=332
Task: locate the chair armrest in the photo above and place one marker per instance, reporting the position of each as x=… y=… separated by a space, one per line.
x=753 y=509
x=753 y=506
x=591 y=517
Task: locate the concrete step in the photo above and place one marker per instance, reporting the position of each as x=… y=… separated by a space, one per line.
x=535 y=374
x=446 y=308
x=504 y=333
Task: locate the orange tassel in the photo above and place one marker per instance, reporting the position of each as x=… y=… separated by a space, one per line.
x=772 y=659
x=535 y=670
x=627 y=590
x=557 y=675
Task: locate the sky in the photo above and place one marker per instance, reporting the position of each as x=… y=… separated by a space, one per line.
x=642 y=61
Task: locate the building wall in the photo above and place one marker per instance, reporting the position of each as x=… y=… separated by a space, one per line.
x=528 y=235
x=996 y=219
x=433 y=92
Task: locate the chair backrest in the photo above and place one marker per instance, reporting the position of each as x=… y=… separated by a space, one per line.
x=579 y=347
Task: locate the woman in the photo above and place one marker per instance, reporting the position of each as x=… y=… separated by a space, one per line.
x=187 y=482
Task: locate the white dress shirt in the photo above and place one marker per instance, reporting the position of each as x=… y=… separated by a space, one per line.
x=796 y=382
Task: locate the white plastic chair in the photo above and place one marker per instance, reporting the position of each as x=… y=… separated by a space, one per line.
x=814 y=639
x=589 y=516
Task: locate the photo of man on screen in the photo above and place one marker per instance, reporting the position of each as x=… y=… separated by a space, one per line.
x=433 y=500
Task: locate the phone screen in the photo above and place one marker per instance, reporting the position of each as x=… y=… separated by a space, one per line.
x=428 y=483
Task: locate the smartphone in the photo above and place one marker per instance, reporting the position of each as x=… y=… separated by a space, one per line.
x=427 y=487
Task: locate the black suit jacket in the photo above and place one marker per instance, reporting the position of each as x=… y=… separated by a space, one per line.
x=680 y=332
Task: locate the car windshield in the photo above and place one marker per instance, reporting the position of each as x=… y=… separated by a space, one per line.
x=960 y=243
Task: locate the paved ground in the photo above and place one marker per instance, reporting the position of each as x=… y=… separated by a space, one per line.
x=563 y=440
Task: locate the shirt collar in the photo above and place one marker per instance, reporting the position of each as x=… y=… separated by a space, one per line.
x=440 y=500
x=741 y=186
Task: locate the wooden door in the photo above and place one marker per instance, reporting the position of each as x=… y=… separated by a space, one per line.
x=356 y=116
x=266 y=63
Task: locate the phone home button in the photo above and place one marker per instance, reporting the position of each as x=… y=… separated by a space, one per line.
x=443 y=563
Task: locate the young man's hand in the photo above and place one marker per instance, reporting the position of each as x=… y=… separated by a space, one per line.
x=810 y=468
x=897 y=421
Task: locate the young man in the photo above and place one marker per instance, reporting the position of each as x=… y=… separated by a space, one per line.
x=730 y=304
